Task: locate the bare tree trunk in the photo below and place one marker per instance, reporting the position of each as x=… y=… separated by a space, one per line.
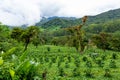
x=26 y=45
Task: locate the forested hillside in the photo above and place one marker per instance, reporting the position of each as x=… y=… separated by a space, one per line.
x=68 y=22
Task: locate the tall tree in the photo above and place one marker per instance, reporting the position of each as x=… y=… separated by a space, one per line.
x=28 y=35
x=78 y=36
x=25 y=35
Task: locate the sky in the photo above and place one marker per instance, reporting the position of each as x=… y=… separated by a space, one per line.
x=29 y=12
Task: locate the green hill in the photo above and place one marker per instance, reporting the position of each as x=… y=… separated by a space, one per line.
x=106 y=16
x=58 y=22
x=62 y=22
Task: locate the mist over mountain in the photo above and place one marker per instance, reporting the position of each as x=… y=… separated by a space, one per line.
x=29 y=12
x=72 y=21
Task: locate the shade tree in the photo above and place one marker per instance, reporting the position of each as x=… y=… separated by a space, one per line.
x=77 y=36
x=101 y=40
x=25 y=35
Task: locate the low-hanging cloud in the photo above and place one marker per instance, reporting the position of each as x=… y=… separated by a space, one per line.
x=20 y=12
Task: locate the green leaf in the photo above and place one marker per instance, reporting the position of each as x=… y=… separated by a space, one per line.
x=1 y=61
x=23 y=56
x=12 y=73
x=9 y=52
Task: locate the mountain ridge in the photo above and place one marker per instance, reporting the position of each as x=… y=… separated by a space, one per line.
x=63 y=22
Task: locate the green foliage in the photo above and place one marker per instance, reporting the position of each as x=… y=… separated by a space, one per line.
x=12 y=73
x=68 y=22
x=107 y=41
x=115 y=42
x=95 y=28
x=61 y=72
x=9 y=52
x=76 y=72
x=112 y=64
x=102 y=40
x=84 y=58
x=1 y=61
x=67 y=65
x=55 y=62
x=48 y=49
x=26 y=36
x=58 y=22
x=23 y=56
x=34 y=64
x=38 y=40
x=88 y=73
x=15 y=68
x=4 y=33
x=110 y=26
x=59 y=40
x=16 y=33
x=107 y=73
x=114 y=56
x=78 y=38
x=89 y=64
x=100 y=62
x=25 y=69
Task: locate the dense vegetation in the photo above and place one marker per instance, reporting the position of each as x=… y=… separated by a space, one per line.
x=62 y=22
x=60 y=52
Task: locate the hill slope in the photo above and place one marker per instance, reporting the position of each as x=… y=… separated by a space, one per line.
x=67 y=22
x=106 y=16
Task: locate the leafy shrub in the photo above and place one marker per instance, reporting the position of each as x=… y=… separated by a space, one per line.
x=46 y=59
x=77 y=63
x=48 y=49
x=8 y=54
x=50 y=63
x=112 y=64
x=103 y=57
x=100 y=63
x=54 y=59
x=61 y=72
x=84 y=58
x=114 y=56
x=69 y=58
x=41 y=60
x=67 y=65
x=76 y=72
x=59 y=50
x=89 y=64
x=88 y=73
x=107 y=73
x=59 y=63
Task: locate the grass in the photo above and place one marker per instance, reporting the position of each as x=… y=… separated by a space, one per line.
x=98 y=72
x=64 y=63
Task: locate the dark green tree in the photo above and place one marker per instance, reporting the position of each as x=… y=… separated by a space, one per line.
x=25 y=35
x=102 y=40
x=16 y=33
x=28 y=35
x=115 y=41
x=5 y=41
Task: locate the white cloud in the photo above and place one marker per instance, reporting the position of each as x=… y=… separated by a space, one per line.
x=80 y=8
x=19 y=12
